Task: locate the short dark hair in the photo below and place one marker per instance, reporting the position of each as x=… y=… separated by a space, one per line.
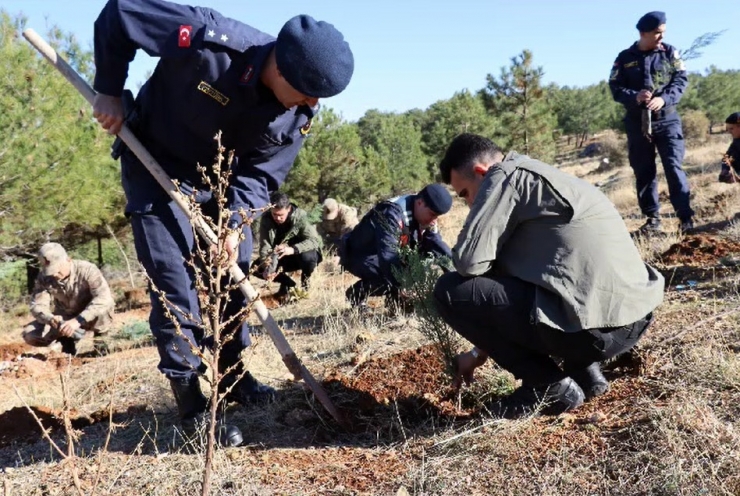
x=279 y=200
x=465 y=151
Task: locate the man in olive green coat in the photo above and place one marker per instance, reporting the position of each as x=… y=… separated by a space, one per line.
x=288 y=241
x=544 y=267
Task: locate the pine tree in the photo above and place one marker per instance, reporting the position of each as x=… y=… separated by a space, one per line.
x=518 y=99
x=57 y=180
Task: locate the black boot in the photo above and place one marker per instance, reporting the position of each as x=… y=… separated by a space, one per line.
x=591 y=380
x=687 y=226
x=247 y=391
x=651 y=227
x=550 y=399
x=192 y=407
x=69 y=345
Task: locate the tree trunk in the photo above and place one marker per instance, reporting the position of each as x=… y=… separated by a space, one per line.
x=100 y=250
x=32 y=272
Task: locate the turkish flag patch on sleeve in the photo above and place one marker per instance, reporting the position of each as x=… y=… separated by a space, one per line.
x=183 y=40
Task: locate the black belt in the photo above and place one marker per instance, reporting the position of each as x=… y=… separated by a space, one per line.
x=659 y=115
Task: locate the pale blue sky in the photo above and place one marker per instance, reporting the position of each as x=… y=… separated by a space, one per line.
x=411 y=53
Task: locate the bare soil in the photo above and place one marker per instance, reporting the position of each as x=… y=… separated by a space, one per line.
x=700 y=250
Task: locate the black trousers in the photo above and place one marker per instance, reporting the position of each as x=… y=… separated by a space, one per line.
x=306 y=262
x=495 y=314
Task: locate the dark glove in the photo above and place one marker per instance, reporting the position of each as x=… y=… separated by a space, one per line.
x=728 y=175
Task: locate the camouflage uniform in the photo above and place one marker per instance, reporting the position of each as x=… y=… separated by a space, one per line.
x=337 y=222
x=85 y=294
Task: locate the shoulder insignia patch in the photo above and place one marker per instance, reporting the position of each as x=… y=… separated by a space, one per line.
x=630 y=64
x=306 y=128
x=213 y=93
x=678 y=61
x=247 y=76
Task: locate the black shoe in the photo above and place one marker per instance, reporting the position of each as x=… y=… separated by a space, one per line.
x=550 y=399
x=651 y=227
x=192 y=407
x=686 y=226
x=248 y=391
x=69 y=346
x=592 y=381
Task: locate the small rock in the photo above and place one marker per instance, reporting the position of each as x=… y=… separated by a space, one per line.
x=402 y=491
x=597 y=418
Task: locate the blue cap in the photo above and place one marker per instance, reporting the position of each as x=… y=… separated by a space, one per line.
x=313 y=57
x=734 y=118
x=650 y=21
x=437 y=198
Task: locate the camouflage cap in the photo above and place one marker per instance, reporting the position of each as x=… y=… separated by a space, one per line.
x=51 y=256
x=331 y=209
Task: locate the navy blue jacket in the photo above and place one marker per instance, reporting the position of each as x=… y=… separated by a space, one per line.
x=661 y=70
x=389 y=226
x=207 y=79
x=732 y=157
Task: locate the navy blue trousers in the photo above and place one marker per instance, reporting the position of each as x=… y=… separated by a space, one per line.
x=164 y=243
x=371 y=283
x=668 y=140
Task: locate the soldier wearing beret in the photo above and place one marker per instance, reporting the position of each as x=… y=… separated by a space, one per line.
x=730 y=169
x=544 y=267
x=214 y=74
x=371 y=250
x=69 y=298
x=649 y=79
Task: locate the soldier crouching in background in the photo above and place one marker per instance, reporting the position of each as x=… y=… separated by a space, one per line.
x=372 y=249
x=730 y=168
x=288 y=241
x=80 y=297
x=337 y=219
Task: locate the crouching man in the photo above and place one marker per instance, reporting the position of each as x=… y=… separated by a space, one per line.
x=288 y=241
x=545 y=267
x=372 y=249
x=69 y=298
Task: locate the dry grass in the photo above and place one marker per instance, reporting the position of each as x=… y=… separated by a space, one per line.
x=669 y=426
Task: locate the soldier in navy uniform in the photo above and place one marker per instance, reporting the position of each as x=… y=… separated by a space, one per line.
x=650 y=77
x=371 y=250
x=214 y=74
x=730 y=166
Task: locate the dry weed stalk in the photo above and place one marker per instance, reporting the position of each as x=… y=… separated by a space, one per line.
x=209 y=263
x=69 y=458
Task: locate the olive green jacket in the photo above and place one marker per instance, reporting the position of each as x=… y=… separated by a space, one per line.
x=539 y=224
x=300 y=233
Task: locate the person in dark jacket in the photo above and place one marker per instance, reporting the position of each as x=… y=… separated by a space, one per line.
x=649 y=79
x=214 y=74
x=371 y=250
x=730 y=168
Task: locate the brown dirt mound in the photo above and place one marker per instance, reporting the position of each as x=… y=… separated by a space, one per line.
x=699 y=250
x=24 y=364
x=10 y=351
x=411 y=383
x=19 y=425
